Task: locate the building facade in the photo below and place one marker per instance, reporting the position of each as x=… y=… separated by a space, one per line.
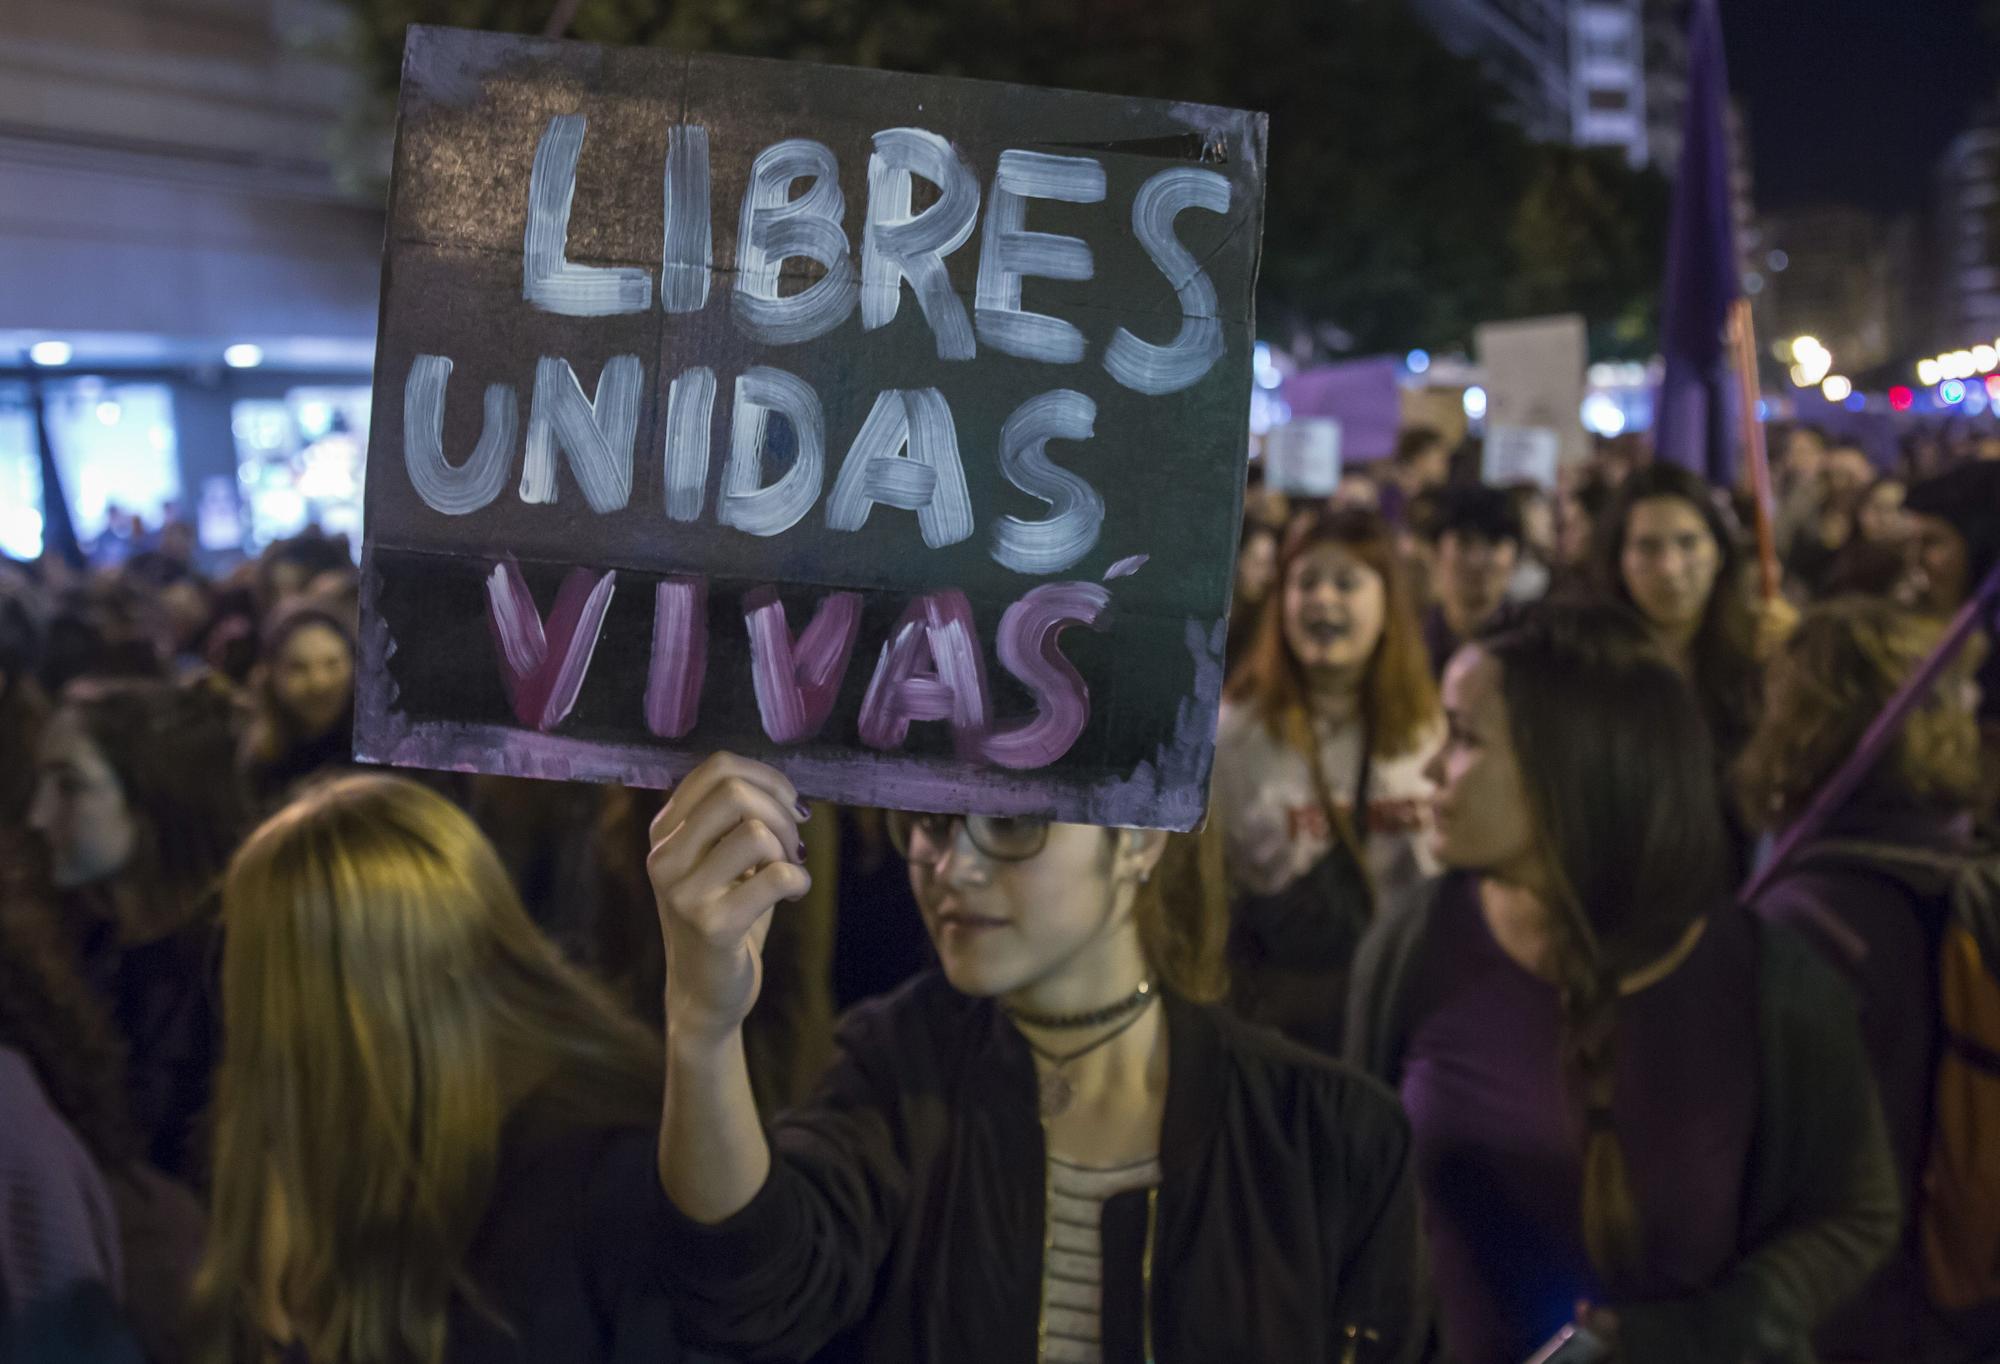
x=187 y=292
x=1965 y=284
x=1608 y=77
x=1523 y=46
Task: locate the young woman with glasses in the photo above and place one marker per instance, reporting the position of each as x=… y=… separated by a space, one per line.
x=1052 y=1148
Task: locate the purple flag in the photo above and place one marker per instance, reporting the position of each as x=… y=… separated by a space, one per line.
x=1703 y=277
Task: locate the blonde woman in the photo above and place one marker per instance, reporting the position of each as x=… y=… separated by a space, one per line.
x=426 y=1122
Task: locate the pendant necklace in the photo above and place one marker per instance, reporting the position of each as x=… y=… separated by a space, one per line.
x=1055 y=1093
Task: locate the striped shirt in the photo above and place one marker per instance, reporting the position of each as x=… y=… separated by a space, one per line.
x=1072 y=1267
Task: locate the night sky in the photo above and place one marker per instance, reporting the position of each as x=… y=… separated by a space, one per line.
x=1853 y=101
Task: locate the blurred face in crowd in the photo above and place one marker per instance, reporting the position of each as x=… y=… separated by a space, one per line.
x=1805 y=456
x=1003 y=925
x=1481 y=808
x=1538 y=525
x=186 y=610
x=1472 y=576
x=1881 y=517
x=1848 y=472
x=1669 y=562
x=1357 y=490
x=1257 y=566
x=287 y=580
x=1427 y=469
x=79 y=807
x=1334 y=608
x=1938 y=575
x=313 y=678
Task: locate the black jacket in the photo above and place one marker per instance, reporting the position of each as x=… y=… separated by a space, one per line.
x=903 y=1216
x=1820 y=1209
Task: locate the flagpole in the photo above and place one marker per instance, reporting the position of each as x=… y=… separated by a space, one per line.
x=1743 y=352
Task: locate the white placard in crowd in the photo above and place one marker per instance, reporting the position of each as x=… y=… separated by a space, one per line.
x=1521 y=454
x=1535 y=379
x=1303 y=457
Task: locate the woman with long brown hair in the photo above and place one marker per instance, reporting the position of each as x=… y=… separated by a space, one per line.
x=426 y=1121
x=1666 y=549
x=1319 y=784
x=136 y=801
x=1052 y=1148
x=1624 y=1092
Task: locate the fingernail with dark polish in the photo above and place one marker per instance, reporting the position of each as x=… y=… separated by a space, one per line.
x=803 y=810
x=802 y=854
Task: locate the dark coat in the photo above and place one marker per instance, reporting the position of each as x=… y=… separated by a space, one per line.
x=903 y=1219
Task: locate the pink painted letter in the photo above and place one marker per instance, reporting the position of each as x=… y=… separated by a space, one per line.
x=1029 y=633
x=543 y=667
x=680 y=656
x=932 y=668
x=797 y=683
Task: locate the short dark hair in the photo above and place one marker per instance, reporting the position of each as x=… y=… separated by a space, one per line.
x=1478 y=510
x=1414 y=442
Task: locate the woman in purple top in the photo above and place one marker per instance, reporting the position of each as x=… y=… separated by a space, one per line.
x=1629 y=1104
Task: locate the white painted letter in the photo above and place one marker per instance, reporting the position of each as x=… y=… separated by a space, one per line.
x=686 y=244
x=775 y=228
x=1140 y=365
x=597 y=435
x=757 y=510
x=897 y=244
x=1007 y=252
x=473 y=484
x=548 y=280
x=930 y=481
x=690 y=412
x=1070 y=532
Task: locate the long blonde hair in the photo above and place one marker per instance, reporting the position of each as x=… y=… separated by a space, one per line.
x=387 y=1006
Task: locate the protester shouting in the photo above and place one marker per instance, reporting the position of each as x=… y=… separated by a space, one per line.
x=1319 y=788
x=1624 y=1092
x=1049 y=1150
x=429 y=1125
x=1871 y=891
x=137 y=803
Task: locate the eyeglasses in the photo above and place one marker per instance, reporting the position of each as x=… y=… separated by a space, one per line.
x=924 y=839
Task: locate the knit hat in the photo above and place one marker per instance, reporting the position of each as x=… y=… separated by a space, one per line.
x=1968 y=500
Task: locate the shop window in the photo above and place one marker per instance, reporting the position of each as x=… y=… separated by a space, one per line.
x=300 y=461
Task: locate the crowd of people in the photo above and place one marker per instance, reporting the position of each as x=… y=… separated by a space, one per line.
x=1452 y=1031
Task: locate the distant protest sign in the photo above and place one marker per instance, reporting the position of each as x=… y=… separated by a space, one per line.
x=889 y=429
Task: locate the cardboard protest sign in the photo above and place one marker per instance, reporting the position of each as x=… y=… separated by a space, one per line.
x=886 y=428
x=1303 y=457
x=1535 y=378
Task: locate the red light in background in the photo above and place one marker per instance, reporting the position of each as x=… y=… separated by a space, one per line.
x=1901 y=399
x=1993 y=386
